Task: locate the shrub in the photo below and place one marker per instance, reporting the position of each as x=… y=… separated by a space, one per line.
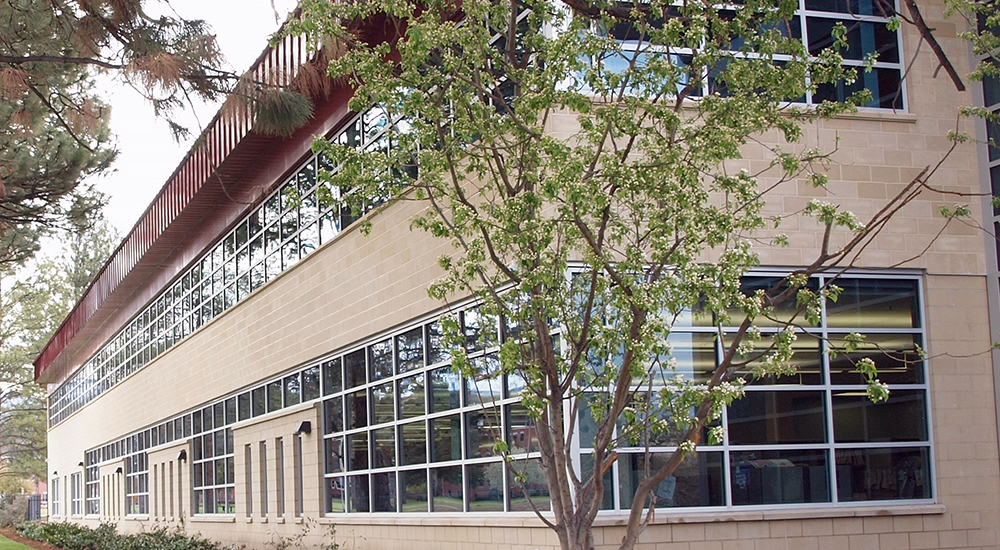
x=76 y=537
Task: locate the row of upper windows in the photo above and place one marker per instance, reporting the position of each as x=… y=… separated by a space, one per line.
x=291 y=223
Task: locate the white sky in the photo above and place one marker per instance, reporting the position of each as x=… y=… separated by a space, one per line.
x=148 y=153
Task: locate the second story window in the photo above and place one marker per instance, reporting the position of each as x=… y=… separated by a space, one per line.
x=868 y=44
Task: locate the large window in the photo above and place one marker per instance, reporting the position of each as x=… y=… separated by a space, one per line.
x=54 y=498
x=76 y=493
x=813 y=437
x=137 y=484
x=404 y=433
x=92 y=480
x=868 y=37
x=213 y=474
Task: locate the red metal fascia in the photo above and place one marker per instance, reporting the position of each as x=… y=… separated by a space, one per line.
x=226 y=133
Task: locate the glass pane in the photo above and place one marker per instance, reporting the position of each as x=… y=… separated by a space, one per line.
x=895 y=357
x=354 y=368
x=874 y=303
x=411 y=396
x=534 y=487
x=380 y=360
x=334 y=453
x=693 y=353
x=779 y=477
x=777 y=417
x=335 y=494
x=333 y=415
x=436 y=351
x=413 y=443
x=447 y=438
x=485 y=487
x=410 y=350
x=357 y=451
x=310 y=384
x=883 y=474
x=515 y=383
x=902 y=418
x=293 y=390
x=446 y=489
x=445 y=387
x=480 y=330
x=383 y=406
x=482 y=431
x=698 y=481
x=413 y=495
x=259 y=401
x=332 y=380
x=357 y=409
x=274 y=396
x=244 y=405
x=384 y=490
x=853 y=7
x=806 y=360
x=587 y=423
x=207 y=418
x=781 y=314
x=522 y=435
x=384 y=448
x=357 y=493
x=486 y=386
x=863 y=39
x=587 y=470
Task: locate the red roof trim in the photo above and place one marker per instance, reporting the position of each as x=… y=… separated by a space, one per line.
x=224 y=133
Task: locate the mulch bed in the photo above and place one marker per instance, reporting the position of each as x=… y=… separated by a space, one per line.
x=12 y=535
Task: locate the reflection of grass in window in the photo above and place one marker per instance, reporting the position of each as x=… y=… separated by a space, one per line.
x=412 y=506
x=486 y=506
x=447 y=504
x=542 y=502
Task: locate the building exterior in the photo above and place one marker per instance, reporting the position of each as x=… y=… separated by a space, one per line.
x=249 y=366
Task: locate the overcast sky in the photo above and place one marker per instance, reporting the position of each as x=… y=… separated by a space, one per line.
x=147 y=152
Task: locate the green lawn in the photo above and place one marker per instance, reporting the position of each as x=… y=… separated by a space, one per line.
x=7 y=544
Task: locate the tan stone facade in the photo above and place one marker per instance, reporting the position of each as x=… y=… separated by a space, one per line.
x=355 y=287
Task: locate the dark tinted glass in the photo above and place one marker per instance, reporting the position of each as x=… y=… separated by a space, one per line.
x=413 y=495
x=777 y=417
x=698 y=481
x=883 y=474
x=413 y=443
x=446 y=442
x=895 y=357
x=354 y=368
x=779 y=477
x=902 y=418
x=410 y=350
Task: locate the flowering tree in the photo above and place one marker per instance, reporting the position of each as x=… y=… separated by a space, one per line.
x=583 y=158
